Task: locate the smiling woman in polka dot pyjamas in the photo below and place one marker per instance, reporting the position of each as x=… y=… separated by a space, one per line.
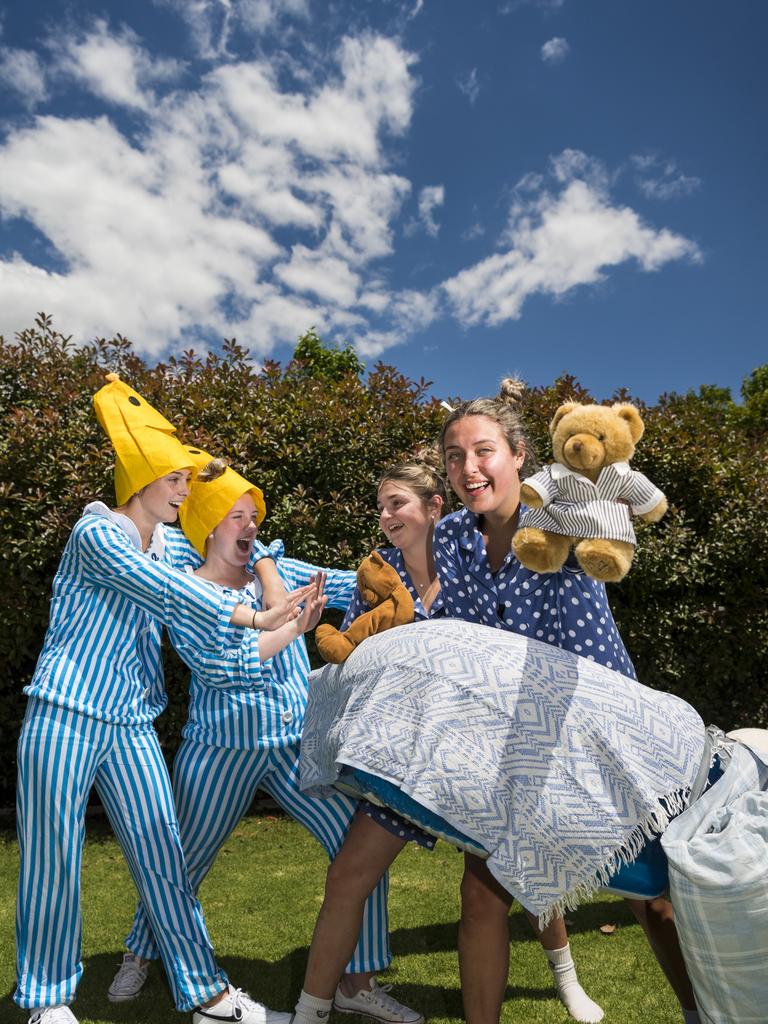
x=567 y=608
x=486 y=454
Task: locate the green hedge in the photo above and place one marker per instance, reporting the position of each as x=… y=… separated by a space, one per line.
x=315 y=434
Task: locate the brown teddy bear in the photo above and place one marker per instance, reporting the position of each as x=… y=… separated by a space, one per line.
x=391 y=605
x=585 y=498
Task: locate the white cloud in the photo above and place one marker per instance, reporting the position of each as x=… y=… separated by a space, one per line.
x=322 y=275
x=474 y=231
x=260 y=15
x=555 y=50
x=174 y=236
x=342 y=119
x=510 y=6
x=144 y=256
x=670 y=188
x=430 y=198
x=469 y=85
x=22 y=72
x=571 y=164
x=661 y=179
x=362 y=205
x=211 y=22
x=208 y=22
x=265 y=183
x=114 y=67
x=556 y=242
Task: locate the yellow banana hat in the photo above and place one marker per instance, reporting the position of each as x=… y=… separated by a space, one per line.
x=210 y=500
x=143 y=439
x=199 y=458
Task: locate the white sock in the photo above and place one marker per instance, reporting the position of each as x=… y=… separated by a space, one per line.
x=690 y=1016
x=569 y=991
x=311 y=1010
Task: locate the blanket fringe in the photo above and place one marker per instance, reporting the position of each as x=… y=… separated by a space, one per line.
x=652 y=826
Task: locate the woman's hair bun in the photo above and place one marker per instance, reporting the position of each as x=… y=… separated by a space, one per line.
x=429 y=457
x=511 y=390
x=212 y=471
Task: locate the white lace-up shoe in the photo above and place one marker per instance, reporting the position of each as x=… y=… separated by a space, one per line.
x=129 y=980
x=237 y=1007
x=53 y=1015
x=377 y=1004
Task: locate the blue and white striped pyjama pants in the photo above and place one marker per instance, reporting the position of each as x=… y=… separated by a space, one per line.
x=214 y=786
x=62 y=755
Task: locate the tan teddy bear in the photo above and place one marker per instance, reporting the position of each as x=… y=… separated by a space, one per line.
x=391 y=605
x=585 y=498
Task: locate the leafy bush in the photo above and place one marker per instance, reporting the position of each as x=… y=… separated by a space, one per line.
x=316 y=433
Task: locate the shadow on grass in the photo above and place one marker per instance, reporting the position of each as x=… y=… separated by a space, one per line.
x=278 y=983
x=442 y=937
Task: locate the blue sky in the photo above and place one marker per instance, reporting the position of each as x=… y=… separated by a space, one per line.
x=464 y=188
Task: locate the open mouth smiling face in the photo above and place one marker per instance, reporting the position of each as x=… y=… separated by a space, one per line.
x=482 y=468
x=403 y=516
x=165 y=496
x=233 y=537
x=476 y=487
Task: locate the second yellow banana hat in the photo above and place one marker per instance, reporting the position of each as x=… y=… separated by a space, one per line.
x=210 y=500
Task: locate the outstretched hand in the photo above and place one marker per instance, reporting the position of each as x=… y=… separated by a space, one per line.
x=285 y=610
x=314 y=605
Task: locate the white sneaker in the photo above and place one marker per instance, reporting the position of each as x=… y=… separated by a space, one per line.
x=377 y=1004
x=129 y=980
x=237 y=1007
x=53 y=1015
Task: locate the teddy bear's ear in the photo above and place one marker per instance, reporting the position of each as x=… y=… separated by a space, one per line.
x=375 y=559
x=562 y=411
x=632 y=416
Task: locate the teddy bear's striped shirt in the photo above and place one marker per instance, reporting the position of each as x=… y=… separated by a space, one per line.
x=576 y=507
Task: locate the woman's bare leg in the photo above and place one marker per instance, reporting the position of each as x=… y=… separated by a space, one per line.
x=367 y=852
x=657 y=920
x=483 y=942
x=554 y=936
x=484 y=950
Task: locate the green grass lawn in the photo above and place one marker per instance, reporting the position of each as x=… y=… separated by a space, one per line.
x=261 y=900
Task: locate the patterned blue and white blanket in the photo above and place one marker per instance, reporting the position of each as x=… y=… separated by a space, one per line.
x=558 y=767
